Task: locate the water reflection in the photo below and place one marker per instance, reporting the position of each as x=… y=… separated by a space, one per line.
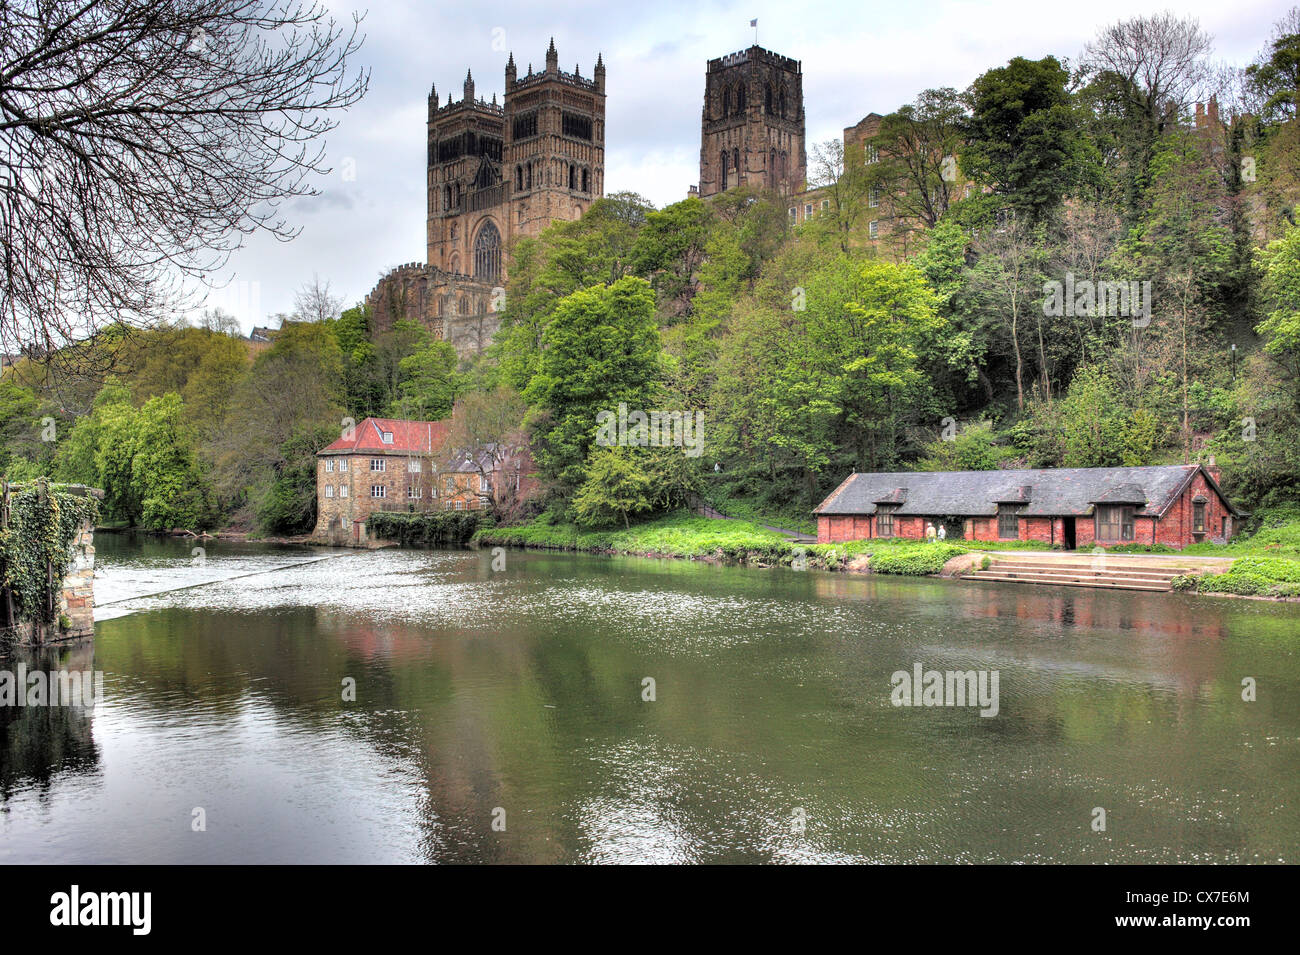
x=481 y=692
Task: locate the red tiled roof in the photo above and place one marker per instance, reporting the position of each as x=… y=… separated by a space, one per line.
x=409 y=437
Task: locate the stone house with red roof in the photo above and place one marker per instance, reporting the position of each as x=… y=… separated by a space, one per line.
x=1072 y=508
x=390 y=464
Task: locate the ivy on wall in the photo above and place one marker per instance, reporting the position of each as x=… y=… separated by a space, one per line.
x=38 y=525
x=426 y=528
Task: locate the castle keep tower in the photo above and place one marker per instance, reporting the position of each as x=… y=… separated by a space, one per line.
x=499 y=172
x=752 y=129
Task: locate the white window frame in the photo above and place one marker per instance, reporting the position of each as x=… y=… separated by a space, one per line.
x=378 y=465
x=343 y=490
x=329 y=465
x=413 y=466
x=329 y=490
x=343 y=465
x=379 y=490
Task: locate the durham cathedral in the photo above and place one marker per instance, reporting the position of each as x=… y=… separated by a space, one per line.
x=499 y=171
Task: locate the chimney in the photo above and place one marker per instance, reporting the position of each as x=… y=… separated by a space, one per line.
x=1200 y=115
x=1212 y=468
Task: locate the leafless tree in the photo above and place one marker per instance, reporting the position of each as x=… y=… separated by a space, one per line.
x=315 y=303
x=142 y=140
x=486 y=433
x=220 y=321
x=1162 y=58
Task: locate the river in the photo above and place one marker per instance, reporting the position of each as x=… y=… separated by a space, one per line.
x=585 y=709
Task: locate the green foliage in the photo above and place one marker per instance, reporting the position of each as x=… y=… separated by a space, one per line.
x=1255 y=577
x=36 y=546
x=429 y=382
x=917 y=560
x=1024 y=137
x=143 y=458
x=601 y=348
x=972 y=449
x=677 y=534
x=427 y=529
x=289 y=507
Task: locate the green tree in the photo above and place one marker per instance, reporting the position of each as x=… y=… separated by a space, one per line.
x=600 y=348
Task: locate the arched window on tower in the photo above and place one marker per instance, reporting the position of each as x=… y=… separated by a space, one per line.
x=446 y=198
x=519 y=177
x=726 y=102
x=740 y=99
x=772 y=170
x=573 y=176
x=735 y=164
x=767 y=100
x=487 y=253
x=530 y=177
x=586 y=180
x=782 y=102
x=724 y=170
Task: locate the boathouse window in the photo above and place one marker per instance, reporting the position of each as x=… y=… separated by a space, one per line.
x=343 y=490
x=1008 y=523
x=1198 y=517
x=1114 y=522
x=378 y=464
x=378 y=490
x=343 y=464
x=414 y=491
x=329 y=490
x=329 y=466
x=413 y=466
x=885 y=520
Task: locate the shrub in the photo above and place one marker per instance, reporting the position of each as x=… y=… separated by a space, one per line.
x=919 y=560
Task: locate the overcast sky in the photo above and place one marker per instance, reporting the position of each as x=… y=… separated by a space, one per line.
x=857 y=58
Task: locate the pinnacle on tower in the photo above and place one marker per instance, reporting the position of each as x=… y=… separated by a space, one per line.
x=552 y=58
x=469 y=86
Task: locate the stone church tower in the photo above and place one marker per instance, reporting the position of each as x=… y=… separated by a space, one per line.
x=752 y=129
x=496 y=172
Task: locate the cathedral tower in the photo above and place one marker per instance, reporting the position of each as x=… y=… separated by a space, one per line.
x=752 y=128
x=496 y=172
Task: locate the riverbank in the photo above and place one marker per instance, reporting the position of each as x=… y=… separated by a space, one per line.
x=690 y=537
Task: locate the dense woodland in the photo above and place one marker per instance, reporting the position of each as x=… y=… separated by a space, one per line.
x=809 y=350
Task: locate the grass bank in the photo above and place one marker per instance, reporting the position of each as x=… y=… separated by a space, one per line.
x=685 y=535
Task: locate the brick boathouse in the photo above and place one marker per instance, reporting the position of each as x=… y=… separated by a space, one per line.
x=1174 y=505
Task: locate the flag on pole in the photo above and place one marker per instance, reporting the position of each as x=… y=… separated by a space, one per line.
x=753 y=23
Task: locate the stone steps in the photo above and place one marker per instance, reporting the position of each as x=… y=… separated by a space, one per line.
x=1111 y=572
x=1097 y=581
